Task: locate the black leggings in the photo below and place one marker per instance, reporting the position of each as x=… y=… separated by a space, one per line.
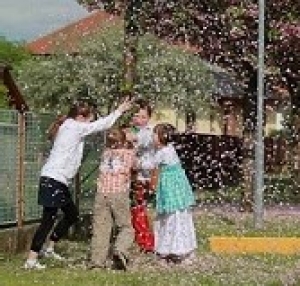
x=48 y=219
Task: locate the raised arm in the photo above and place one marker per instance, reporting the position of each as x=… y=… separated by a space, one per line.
x=105 y=123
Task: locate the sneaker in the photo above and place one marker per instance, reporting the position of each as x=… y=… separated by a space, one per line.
x=52 y=254
x=121 y=261
x=34 y=265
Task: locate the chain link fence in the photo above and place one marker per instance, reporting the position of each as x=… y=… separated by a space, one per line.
x=23 y=150
x=8 y=165
x=22 y=147
x=36 y=147
x=84 y=186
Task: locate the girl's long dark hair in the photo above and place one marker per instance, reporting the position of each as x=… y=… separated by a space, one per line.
x=80 y=107
x=54 y=126
x=116 y=138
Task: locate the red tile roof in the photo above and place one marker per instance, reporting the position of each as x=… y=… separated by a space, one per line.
x=67 y=38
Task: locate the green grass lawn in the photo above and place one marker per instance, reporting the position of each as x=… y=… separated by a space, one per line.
x=210 y=269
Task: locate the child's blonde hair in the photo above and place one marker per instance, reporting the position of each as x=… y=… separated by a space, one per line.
x=115 y=138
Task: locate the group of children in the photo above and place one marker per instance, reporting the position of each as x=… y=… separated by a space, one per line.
x=137 y=159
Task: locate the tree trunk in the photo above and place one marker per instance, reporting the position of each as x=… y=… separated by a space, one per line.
x=130 y=61
x=132 y=31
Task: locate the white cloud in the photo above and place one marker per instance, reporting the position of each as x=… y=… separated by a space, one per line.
x=29 y=19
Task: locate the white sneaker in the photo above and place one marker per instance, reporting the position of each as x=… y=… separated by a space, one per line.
x=52 y=254
x=34 y=265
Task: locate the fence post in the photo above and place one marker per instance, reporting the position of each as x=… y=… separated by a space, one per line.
x=20 y=171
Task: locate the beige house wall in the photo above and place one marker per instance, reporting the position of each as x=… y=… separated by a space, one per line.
x=203 y=125
x=271 y=123
x=211 y=124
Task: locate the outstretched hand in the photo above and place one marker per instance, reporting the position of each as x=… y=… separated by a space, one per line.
x=125 y=105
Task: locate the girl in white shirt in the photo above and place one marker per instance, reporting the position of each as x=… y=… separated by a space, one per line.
x=60 y=168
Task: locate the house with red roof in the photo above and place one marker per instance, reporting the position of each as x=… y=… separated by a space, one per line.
x=67 y=38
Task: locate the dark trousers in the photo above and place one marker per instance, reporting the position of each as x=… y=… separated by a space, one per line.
x=49 y=217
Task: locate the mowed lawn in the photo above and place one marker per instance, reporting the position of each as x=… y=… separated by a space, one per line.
x=209 y=269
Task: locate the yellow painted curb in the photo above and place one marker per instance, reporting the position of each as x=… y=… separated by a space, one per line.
x=244 y=245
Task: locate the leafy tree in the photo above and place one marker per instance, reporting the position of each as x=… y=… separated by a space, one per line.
x=11 y=53
x=227 y=33
x=168 y=76
x=132 y=11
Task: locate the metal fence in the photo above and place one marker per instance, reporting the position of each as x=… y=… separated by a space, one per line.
x=35 y=147
x=23 y=149
x=22 y=146
x=8 y=165
x=84 y=186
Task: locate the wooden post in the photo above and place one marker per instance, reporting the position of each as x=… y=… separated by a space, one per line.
x=20 y=171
